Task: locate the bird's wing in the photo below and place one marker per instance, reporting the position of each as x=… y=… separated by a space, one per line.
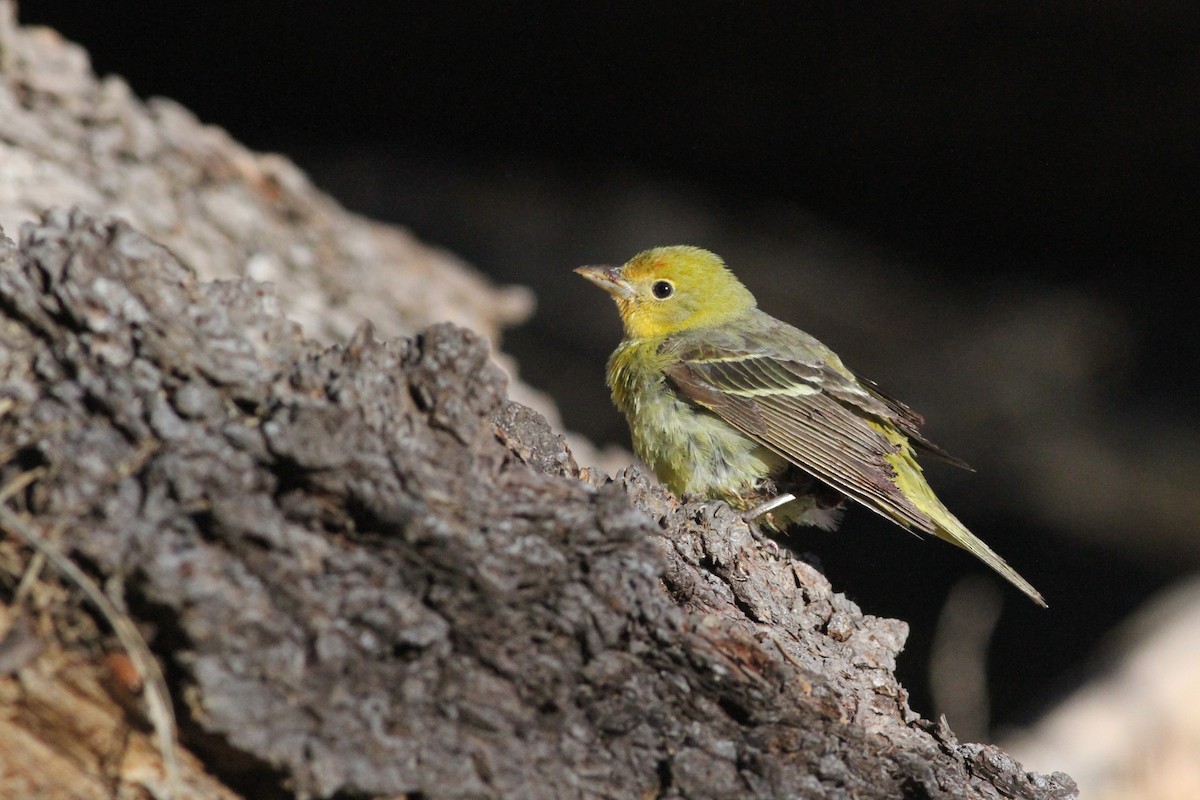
x=788 y=392
x=909 y=422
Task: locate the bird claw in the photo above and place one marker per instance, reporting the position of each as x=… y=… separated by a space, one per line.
x=761 y=536
x=750 y=517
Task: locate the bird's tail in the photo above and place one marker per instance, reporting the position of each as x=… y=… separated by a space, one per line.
x=911 y=481
x=949 y=528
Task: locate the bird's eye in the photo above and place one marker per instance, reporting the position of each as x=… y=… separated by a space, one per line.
x=662 y=289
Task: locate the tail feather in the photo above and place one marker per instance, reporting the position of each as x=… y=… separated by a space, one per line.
x=951 y=530
x=911 y=482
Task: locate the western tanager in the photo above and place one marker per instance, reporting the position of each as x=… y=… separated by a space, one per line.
x=725 y=401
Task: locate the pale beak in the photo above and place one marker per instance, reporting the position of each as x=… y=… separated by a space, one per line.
x=610 y=279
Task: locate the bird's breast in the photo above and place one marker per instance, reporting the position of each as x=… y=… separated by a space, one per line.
x=690 y=449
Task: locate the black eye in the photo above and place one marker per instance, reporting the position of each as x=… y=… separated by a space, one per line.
x=662 y=289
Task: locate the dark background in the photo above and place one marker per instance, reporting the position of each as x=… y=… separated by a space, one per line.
x=968 y=147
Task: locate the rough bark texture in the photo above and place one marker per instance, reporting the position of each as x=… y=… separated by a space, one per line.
x=368 y=573
x=363 y=569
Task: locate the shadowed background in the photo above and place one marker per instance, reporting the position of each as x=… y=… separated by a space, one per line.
x=989 y=210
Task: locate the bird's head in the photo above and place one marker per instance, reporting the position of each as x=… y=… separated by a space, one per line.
x=671 y=289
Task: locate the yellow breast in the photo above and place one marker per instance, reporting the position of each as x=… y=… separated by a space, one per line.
x=690 y=449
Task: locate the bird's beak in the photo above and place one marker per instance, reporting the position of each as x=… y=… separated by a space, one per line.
x=610 y=279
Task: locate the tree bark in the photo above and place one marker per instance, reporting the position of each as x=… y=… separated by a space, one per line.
x=363 y=571
x=367 y=572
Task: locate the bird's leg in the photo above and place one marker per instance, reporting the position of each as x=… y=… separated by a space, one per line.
x=762 y=508
x=772 y=504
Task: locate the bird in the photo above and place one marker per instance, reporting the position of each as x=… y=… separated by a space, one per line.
x=726 y=402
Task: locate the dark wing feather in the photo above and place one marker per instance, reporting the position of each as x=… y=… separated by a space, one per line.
x=793 y=400
x=910 y=422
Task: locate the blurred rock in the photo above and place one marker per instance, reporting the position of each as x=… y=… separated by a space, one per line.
x=1133 y=733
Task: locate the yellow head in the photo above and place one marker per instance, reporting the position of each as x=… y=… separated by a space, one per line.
x=671 y=289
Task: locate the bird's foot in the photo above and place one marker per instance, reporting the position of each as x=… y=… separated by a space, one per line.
x=751 y=517
x=762 y=537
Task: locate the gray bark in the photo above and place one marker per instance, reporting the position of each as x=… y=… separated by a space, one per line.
x=369 y=573
x=363 y=569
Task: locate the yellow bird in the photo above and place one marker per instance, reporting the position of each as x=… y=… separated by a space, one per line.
x=725 y=401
